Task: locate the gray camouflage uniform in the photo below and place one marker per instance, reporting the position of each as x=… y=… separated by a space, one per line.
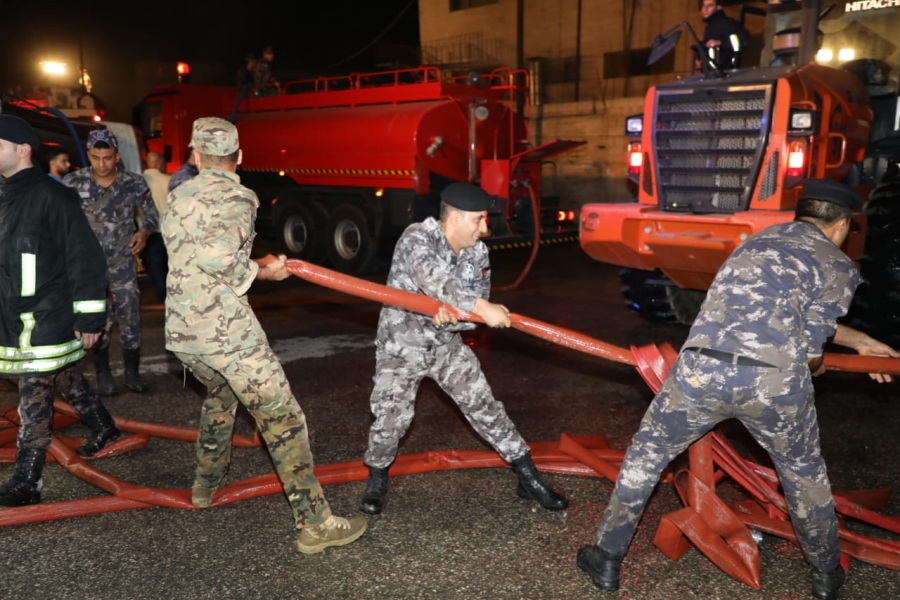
x=208 y=227
x=409 y=347
x=111 y=213
x=775 y=300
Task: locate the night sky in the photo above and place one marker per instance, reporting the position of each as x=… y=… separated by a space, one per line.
x=308 y=37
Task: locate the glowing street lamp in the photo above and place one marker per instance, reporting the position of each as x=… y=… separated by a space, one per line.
x=54 y=68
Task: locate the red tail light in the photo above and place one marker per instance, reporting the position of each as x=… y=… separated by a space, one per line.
x=796 y=159
x=635 y=158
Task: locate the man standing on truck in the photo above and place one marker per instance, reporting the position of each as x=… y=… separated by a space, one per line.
x=724 y=38
x=750 y=355
x=208 y=228
x=110 y=197
x=445 y=260
x=53 y=275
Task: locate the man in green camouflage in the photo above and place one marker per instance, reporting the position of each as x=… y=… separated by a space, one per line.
x=208 y=228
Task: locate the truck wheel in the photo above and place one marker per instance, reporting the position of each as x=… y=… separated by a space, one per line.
x=645 y=293
x=300 y=233
x=875 y=309
x=655 y=297
x=685 y=303
x=350 y=246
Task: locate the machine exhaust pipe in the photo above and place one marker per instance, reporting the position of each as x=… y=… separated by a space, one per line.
x=809 y=31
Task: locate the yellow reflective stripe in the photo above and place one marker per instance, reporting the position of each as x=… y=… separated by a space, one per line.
x=27 y=328
x=89 y=306
x=31 y=352
x=37 y=366
x=29 y=274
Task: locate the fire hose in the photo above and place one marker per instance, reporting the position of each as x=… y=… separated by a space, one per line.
x=721 y=531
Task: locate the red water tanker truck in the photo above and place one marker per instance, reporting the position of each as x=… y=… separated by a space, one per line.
x=342 y=165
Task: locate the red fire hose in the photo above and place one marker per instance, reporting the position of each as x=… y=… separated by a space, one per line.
x=717 y=529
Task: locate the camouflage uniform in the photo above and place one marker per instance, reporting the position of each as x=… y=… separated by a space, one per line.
x=111 y=213
x=409 y=346
x=36 y=403
x=262 y=72
x=776 y=301
x=208 y=227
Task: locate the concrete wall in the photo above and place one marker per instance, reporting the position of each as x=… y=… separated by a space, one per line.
x=596 y=171
x=488 y=34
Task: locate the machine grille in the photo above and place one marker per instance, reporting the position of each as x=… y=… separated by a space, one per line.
x=707 y=146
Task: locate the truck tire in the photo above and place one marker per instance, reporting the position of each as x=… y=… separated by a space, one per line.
x=350 y=245
x=300 y=231
x=655 y=297
x=875 y=309
x=685 y=303
x=645 y=293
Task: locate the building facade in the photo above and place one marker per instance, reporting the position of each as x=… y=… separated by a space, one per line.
x=588 y=65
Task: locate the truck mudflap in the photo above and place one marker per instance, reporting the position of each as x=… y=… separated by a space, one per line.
x=689 y=248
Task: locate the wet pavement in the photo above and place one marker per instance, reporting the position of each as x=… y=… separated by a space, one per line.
x=443 y=535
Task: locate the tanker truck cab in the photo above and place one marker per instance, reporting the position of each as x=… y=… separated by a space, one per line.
x=342 y=165
x=720 y=156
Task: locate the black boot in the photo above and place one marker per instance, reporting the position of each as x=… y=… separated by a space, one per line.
x=601 y=566
x=376 y=488
x=25 y=486
x=103 y=430
x=532 y=487
x=105 y=385
x=826 y=585
x=132 y=360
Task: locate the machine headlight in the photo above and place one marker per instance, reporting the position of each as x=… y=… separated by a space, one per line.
x=634 y=124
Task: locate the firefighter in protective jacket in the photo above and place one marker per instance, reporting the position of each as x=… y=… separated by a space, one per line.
x=53 y=305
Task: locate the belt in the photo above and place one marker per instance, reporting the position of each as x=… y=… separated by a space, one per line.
x=728 y=357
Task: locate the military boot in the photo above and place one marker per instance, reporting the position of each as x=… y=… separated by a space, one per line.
x=827 y=585
x=103 y=430
x=335 y=531
x=532 y=487
x=132 y=359
x=105 y=385
x=602 y=566
x=376 y=488
x=25 y=486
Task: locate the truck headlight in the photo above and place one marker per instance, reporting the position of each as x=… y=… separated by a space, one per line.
x=634 y=124
x=802 y=121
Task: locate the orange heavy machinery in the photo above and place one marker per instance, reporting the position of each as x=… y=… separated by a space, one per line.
x=719 y=156
x=342 y=165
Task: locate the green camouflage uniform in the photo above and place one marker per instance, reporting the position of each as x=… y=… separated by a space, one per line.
x=208 y=228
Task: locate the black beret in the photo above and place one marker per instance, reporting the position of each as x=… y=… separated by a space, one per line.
x=467 y=197
x=829 y=190
x=18 y=131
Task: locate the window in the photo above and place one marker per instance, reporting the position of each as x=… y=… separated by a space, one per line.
x=464 y=4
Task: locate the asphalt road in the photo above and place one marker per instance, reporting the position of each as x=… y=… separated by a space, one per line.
x=443 y=535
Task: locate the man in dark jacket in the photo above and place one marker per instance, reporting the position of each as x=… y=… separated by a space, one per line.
x=53 y=274
x=724 y=38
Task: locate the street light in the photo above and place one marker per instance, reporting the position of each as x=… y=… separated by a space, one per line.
x=54 y=68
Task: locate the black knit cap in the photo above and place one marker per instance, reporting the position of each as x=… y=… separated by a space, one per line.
x=829 y=190
x=18 y=131
x=467 y=197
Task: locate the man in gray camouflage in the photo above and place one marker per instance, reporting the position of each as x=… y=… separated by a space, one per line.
x=208 y=228
x=750 y=355
x=445 y=260
x=109 y=197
